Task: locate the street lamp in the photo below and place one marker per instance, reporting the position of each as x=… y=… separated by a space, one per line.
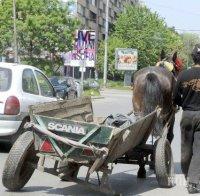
x=15 y=32
x=106 y=47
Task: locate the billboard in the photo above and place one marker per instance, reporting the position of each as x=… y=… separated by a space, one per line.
x=83 y=53
x=126 y=58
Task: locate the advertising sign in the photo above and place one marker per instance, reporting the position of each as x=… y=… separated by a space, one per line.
x=84 y=49
x=126 y=59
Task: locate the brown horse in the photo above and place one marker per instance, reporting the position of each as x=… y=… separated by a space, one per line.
x=153 y=87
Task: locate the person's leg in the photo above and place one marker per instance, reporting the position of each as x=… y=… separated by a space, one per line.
x=194 y=168
x=186 y=141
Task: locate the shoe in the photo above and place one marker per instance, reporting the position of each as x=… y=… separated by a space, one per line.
x=192 y=188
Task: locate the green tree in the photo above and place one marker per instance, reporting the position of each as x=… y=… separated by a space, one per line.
x=189 y=40
x=113 y=43
x=137 y=27
x=44 y=29
x=6 y=25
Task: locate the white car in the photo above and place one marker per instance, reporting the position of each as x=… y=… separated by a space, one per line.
x=20 y=86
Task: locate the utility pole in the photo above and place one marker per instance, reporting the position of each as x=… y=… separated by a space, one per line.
x=82 y=67
x=106 y=46
x=15 y=33
x=96 y=37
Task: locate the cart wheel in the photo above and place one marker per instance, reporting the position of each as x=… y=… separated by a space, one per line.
x=67 y=169
x=18 y=168
x=164 y=166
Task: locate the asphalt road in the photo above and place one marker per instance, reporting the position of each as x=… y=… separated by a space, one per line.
x=123 y=179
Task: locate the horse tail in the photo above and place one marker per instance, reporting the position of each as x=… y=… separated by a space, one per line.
x=153 y=95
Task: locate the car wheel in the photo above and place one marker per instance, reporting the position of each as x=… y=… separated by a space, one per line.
x=66 y=96
x=75 y=95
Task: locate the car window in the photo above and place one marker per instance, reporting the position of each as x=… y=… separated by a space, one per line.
x=45 y=86
x=54 y=81
x=29 y=84
x=5 y=79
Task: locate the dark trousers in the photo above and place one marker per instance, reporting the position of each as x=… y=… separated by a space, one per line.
x=190 y=145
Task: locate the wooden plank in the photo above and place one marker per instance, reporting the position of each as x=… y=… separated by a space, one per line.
x=76 y=109
x=125 y=139
x=68 y=112
x=43 y=107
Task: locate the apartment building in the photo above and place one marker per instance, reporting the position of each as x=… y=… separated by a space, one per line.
x=92 y=13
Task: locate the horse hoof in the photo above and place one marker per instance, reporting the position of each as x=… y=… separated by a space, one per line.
x=141 y=173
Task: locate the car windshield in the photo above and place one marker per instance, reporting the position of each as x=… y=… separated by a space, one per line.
x=5 y=79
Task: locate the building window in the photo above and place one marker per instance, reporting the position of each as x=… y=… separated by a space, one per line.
x=93 y=16
x=93 y=2
x=104 y=23
x=87 y=23
x=81 y=9
x=109 y=11
x=104 y=8
x=115 y=15
x=87 y=2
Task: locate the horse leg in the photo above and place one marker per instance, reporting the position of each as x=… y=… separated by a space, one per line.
x=142 y=171
x=170 y=134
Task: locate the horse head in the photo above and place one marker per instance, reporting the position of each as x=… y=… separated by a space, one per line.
x=171 y=62
x=177 y=62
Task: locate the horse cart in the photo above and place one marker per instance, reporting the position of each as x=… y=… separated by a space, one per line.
x=67 y=132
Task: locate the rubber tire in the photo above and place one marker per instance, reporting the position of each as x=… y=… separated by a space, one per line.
x=69 y=169
x=164 y=165
x=66 y=96
x=75 y=95
x=17 y=172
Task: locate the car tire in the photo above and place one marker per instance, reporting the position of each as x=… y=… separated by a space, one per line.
x=66 y=96
x=18 y=168
x=75 y=95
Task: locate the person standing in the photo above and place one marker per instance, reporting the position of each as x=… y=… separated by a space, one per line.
x=187 y=95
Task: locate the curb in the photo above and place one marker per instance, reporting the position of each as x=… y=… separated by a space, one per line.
x=97 y=97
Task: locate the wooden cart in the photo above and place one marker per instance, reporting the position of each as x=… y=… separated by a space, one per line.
x=66 y=132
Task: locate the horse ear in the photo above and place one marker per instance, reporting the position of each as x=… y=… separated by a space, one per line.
x=174 y=57
x=162 y=55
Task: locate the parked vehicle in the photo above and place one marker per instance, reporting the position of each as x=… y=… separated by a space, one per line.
x=91 y=84
x=65 y=86
x=60 y=89
x=20 y=87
